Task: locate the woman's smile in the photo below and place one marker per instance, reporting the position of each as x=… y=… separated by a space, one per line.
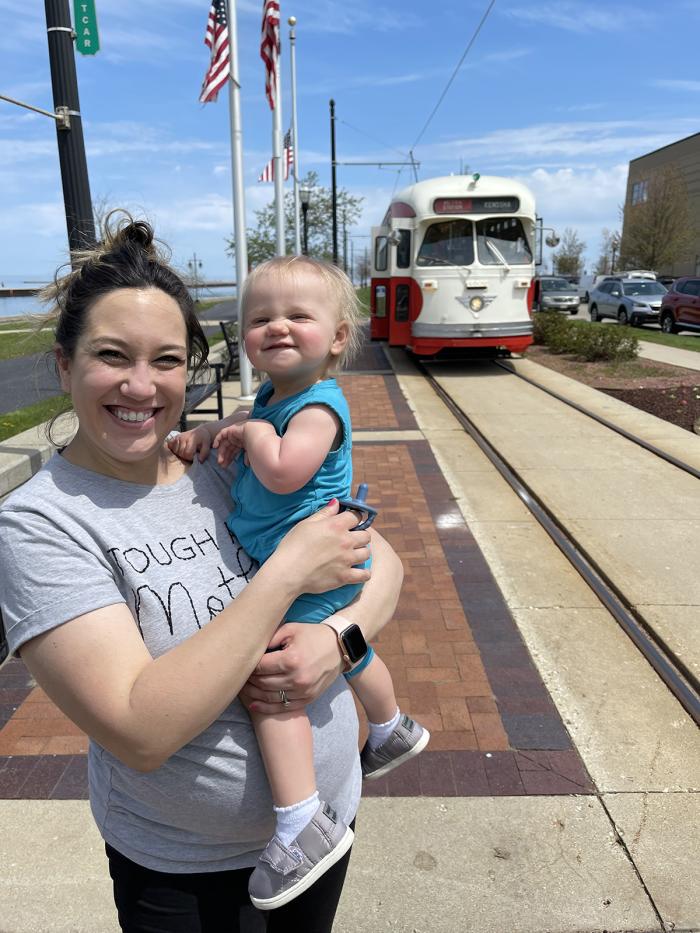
x=132 y=416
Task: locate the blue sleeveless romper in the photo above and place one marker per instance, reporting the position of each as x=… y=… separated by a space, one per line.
x=261 y=518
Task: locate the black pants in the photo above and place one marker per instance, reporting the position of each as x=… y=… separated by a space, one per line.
x=216 y=902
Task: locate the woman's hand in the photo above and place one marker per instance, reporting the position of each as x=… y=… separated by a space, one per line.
x=305 y=661
x=321 y=553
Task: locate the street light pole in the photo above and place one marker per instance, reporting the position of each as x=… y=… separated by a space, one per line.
x=194 y=264
x=71 y=145
x=334 y=190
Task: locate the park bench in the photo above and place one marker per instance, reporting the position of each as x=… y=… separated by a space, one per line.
x=200 y=392
x=230 y=331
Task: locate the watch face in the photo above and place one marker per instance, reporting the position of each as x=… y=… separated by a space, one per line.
x=355 y=644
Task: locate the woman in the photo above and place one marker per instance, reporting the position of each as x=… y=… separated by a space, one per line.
x=138 y=613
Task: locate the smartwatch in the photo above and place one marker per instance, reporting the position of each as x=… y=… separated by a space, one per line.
x=351 y=641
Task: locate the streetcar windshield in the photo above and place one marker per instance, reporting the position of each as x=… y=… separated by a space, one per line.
x=502 y=240
x=447 y=243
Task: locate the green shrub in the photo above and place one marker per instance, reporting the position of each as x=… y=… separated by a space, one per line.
x=583 y=339
x=545 y=324
x=607 y=343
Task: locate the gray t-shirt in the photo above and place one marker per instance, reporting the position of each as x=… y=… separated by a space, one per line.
x=72 y=541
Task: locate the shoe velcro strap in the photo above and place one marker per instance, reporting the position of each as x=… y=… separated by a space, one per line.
x=280 y=858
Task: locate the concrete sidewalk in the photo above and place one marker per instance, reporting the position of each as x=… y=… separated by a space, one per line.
x=675 y=356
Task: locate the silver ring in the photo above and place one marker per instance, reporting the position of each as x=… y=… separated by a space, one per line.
x=284 y=700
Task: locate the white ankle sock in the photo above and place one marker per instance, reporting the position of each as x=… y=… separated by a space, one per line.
x=379 y=732
x=291 y=820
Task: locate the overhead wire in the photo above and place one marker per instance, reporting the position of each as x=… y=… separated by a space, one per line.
x=449 y=83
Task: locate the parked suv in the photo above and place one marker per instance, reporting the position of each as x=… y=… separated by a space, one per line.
x=680 y=308
x=629 y=301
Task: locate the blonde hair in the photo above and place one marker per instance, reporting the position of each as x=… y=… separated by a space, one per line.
x=339 y=287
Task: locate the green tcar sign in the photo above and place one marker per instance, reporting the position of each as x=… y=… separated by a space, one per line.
x=87 y=40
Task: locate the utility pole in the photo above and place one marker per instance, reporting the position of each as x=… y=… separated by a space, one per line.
x=71 y=146
x=334 y=193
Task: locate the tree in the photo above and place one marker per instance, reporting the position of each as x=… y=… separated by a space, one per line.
x=568 y=259
x=658 y=232
x=609 y=251
x=261 y=239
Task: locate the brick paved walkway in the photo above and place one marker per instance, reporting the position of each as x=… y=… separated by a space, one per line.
x=458 y=662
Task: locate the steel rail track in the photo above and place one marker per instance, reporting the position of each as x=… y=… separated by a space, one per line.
x=679 y=679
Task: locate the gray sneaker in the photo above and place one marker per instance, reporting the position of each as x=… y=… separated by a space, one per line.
x=409 y=738
x=285 y=872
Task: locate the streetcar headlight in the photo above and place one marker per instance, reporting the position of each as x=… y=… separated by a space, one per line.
x=476 y=303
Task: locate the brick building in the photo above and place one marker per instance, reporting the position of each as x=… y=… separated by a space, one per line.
x=685 y=156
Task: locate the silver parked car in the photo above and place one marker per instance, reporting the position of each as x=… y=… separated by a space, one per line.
x=555 y=293
x=628 y=301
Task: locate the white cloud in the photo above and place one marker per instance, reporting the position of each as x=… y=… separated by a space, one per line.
x=573 y=141
x=581 y=17
x=44 y=219
x=676 y=84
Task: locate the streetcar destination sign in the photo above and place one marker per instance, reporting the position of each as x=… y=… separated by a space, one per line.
x=87 y=40
x=476 y=205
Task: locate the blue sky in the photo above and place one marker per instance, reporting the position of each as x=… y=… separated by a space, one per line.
x=558 y=93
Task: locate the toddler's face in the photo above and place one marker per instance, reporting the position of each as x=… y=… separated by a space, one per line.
x=291 y=325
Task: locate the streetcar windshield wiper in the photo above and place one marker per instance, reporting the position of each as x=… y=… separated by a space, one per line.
x=493 y=249
x=434 y=261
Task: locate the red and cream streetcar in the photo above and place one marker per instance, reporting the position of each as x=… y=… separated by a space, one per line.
x=453 y=266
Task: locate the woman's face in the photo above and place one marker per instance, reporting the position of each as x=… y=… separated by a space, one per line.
x=127 y=381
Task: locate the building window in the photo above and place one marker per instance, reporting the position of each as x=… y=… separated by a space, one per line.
x=640 y=192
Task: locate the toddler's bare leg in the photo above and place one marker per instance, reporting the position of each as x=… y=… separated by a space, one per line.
x=286 y=746
x=375 y=691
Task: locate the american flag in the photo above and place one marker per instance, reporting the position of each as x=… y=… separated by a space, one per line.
x=270 y=47
x=216 y=39
x=268 y=173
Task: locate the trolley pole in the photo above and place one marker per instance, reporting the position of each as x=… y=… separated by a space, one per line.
x=334 y=191
x=71 y=146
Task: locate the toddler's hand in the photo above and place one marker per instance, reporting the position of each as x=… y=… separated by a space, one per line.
x=229 y=441
x=187 y=444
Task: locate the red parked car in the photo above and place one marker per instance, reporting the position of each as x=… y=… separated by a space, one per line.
x=680 y=309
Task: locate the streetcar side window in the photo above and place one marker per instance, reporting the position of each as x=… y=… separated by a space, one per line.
x=381 y=253
x=447 y=243
x=504 y=235
x=380 y=300
x=403 y=250
x=401 y=310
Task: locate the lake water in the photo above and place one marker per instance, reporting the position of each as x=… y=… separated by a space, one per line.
x=16 y=307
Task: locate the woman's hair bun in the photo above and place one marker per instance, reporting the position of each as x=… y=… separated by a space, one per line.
x=128 y=231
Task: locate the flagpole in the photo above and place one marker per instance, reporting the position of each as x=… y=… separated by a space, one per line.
x=295 y=163
x=278 y=171
x=239 y=229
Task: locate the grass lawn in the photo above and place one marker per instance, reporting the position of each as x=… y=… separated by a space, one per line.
x=14 y=422
x=680 y=341
x=207 y=303
x=363 y=295
x=14 y=345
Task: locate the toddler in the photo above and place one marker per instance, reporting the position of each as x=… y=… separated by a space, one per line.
x=300 y=320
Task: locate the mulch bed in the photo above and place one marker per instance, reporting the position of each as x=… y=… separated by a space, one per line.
x=669 y=392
